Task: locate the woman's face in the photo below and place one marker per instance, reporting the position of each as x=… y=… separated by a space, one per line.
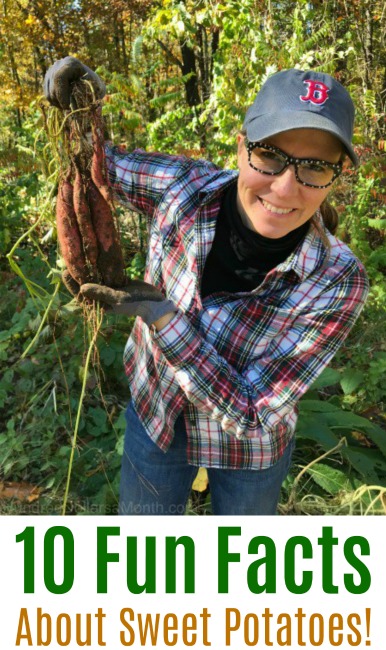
x=262 y=198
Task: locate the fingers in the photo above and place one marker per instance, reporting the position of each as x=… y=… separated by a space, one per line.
x=135 y=291
x=103 y=294
x=71 y=285
x=98 y=84
x=140 y=290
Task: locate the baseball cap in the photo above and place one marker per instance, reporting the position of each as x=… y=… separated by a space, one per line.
x=296 y=99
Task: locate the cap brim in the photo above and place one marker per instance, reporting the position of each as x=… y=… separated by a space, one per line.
x=268 y=125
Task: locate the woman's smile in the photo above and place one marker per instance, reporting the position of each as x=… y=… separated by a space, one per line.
x=275 y=209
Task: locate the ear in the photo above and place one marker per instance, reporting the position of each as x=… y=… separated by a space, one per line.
x=347 y=163
x=240 y=143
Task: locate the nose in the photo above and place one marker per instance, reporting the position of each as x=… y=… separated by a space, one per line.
x=285 y=183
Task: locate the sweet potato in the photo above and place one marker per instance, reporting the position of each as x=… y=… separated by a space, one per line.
x=68 y=232
x=110 y=259
x=98 y=164
x=86 y=229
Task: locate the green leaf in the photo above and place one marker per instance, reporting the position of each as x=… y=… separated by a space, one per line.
x=161 y=100
x=120 y=446
x=350 y=381
x=311 y=428
x=120 y=422
x=99 y=416
x=317 y=406
x=335 y=417
x=351 y=421
x=108 y=356
x=331 y=480
x=11 y=426
x=367 y=462
x=96 y=431
x=329 y=377
x=136 y=49
x=379 y=224
x=50 y=482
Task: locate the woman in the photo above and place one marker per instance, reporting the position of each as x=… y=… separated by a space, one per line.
x=247 y=297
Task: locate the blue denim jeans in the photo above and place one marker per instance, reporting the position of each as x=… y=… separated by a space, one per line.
x=157 y=483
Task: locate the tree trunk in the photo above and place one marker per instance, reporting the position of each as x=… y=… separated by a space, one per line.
x=117 y=44
x=188 y=67
x=14 y=70
x=368 y=46
x=125 y=60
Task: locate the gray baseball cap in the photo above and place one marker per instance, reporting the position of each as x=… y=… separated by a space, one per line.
x=297 y=99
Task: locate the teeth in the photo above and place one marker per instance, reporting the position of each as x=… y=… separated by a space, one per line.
x=272 y=208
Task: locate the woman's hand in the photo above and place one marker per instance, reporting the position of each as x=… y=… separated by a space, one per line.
x=62 y=75
x=138 y=298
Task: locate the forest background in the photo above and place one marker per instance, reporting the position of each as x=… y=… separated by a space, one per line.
x=179 y=77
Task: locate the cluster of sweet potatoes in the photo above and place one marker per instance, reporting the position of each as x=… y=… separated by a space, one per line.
x=87 y=233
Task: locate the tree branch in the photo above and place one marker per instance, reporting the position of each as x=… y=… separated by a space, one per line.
x=169 y=53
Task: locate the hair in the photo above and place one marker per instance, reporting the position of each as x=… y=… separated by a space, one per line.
x=330 y=221
x=330 y=216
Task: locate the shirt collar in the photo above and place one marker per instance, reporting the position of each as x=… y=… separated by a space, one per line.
x=309 y=256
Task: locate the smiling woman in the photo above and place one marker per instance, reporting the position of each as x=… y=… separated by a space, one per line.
x=274 y=201
x=248 y=296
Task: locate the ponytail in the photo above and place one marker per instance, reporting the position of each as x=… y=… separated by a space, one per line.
x=330 y=221
x=330 y=216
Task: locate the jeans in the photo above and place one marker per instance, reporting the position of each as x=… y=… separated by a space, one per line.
x=157 y=483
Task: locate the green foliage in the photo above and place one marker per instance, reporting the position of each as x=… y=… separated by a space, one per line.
x=39 y=396
x=338 y=452
x=350 y=399
x=364 y=385
x=17 y=193
x=137 y=266
x=331 y=480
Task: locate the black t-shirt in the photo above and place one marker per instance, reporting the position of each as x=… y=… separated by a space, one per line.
x=240 y=258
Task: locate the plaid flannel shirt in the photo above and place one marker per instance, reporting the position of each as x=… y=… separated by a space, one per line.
x=236 y=364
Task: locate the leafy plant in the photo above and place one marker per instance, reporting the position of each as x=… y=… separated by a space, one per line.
x=339 y=453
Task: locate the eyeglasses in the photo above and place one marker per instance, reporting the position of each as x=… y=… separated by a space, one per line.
x=311 y=172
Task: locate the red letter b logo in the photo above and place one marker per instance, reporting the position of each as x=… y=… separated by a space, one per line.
x=317 y=92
